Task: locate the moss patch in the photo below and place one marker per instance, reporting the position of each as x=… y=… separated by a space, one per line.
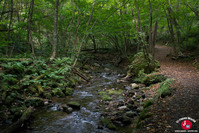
x=153 y=79
x=164 y=89
x=115 y=92
x=108 y=123
x=106 y=98
x=140 y=63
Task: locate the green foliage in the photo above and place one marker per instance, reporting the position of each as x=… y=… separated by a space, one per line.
x=24 y=83
x=69 y=91
x=108 y=123
x=139 y=64
x=106 y=98
x=115 y=92
x=153 y=78
x=144 y=114
x=147 y=103
x=165 y=89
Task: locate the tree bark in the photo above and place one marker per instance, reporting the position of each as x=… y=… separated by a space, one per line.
x=29 y=37
x=55 y=34
x=86 y=32
x=94 y=42
x=150 y=29
x=9 y=28
x=138 y=15
x=140 y=27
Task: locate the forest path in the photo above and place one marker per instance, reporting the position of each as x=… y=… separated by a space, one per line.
x=185 y=100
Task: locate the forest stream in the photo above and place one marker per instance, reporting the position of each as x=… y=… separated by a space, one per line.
x=87 y=119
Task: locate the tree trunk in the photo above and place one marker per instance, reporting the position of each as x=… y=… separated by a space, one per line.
x=140 y=27
x=135 y=21
x=91 y=15
x=4 y=5
x=29 y=37
x=9 y=28
x=55 y=34
x=94 y=42
x=150 y=29
x=138 y=15
x=70 y=34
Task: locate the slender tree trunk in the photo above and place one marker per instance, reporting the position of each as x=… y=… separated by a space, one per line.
x=4 y=5
x=86 y=31
x=135 y=21
x=55 y=34
x=150 y=29
x=138 y=15
x=29 y=36
x=94 y=42
x=70 y=34
x=140 y=27
x=9 y=28
x=170 y=25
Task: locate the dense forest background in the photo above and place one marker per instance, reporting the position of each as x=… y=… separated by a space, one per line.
x=49 y=28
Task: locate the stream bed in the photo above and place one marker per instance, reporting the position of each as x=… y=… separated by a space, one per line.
x=87 y=119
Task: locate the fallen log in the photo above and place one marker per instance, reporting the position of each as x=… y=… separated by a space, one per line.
x=15 y=59
x=20 y=123
x=75 y=71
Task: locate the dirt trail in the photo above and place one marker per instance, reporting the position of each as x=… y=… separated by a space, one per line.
x=185 y=100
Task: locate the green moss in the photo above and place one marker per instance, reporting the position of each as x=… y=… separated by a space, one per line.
x=164 y=89
x=115 y=92
x=69 y=91
x=102 y=92
x=153 y=79
x=147 y=103
x=144 y=114
x=106 y=98
x=108 y=123
x=140 y=63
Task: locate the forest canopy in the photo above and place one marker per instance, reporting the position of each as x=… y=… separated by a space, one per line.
x=53 y=28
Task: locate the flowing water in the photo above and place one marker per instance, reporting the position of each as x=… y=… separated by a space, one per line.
x=85 y=120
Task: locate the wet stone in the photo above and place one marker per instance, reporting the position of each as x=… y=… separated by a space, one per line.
x=74 y=105
x=130 y=114
x=67 y=109
x=134 y=86
x=123 y=108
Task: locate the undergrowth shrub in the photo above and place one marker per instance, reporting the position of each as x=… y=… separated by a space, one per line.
x=165 y=89
x=26 y=83
x=139 y=63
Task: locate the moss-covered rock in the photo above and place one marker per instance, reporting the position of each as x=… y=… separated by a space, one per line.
x=140 y=63
x=74 y=104
x=108 y=123
x=115 y=92
x=106 y=98
x=153 y=79
x=165 y=89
